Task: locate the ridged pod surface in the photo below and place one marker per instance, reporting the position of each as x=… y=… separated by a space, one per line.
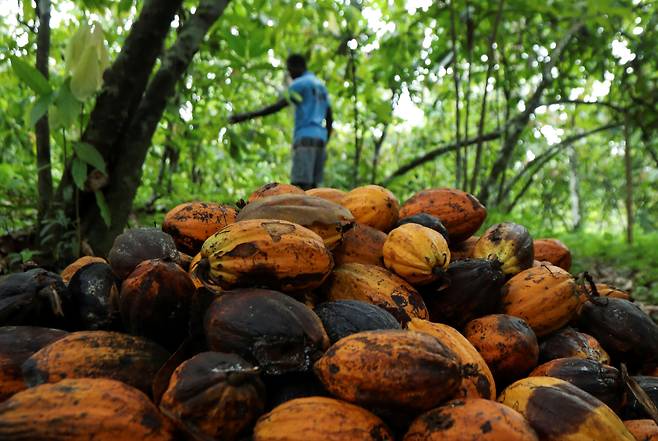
x=509 y=243
x=390 y=369
x=602 y=381
x=17 y=344
x=361 y=244
x=570 y=343
x=266 y=327
x=506 y=343
x=373 y=205
x=320 y=419
x=191 y=223
x=416 y=253
x=621 y=327
x=96 y=354
x=328 y=219
x=345 y=317
x=554 y=251
x=460 y=212
x=214 y=395
x=471 y=419
x=274 y=253
x=328 y=193
x=155 y=302
x=477 y=380
x=559 y=411
x=80 y=410
x=71 y=269
x=136 y=245
x=643 y=430
x=469 y=289
x=273 y=189
x=376 y=285
x=546 y=297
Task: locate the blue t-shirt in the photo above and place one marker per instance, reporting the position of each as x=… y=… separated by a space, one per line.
x=311 y=101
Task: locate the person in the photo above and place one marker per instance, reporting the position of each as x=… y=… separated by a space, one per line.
x=310 y=138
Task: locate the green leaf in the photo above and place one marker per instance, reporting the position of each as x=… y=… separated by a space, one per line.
x=86 y=77
x=104 y=209
x=28 y=10
x=31 y=76
x=66 y=107
x=90 y=155
x=40 y=108
x=79 y=173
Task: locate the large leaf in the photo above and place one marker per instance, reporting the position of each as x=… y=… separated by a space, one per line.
x=40 y=108
x=31 y=76
x=66 y=107
x=88 y=153
x=103 y=207
x=76 y=46
x=79 y=172
x=86 y=77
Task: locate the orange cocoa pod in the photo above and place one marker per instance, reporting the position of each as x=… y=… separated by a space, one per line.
x=506 y=343
x=96 y=354
x=643 y=430
x=83 y=409
x=272 y=189
x=191 y=223
x=320 y=419
x=373 y=205
x=553 y=251
x=67 y=273
x=477 y=380
x=361 y=244
x=330 y=194
x=460 y=212
x=376 y=285
x=471 y=419
x=546 y=297
x=390 y=369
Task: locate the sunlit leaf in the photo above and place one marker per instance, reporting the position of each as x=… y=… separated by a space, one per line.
x=79 y=172
x=31 y=76
x=76 y=46
x=40 y=108
x=86 y=77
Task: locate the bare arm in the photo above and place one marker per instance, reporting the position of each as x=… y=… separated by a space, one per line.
x=239 y=117
x=329 y=117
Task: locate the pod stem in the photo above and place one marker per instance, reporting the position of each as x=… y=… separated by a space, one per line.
x=592 y=294
x=640 y=395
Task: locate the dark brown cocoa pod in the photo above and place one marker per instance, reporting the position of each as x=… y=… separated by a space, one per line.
x=426 y=220
x=95 y=297
x=155 y=302
x=570 y=343
x=214 y=395
x=632 y=408
x=471 y=288
x=34 y=298
x=136 y=245
x=96 y=354
x=602 y=381
x=345 y=317
x=17 y=344
x=622 y=328
x=266 y=327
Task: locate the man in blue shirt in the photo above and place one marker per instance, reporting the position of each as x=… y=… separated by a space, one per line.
x=312 y=107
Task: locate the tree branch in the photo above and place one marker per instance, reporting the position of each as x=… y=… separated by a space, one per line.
x=438 y=152
x=42 y=129
x=455 y=78
x=581 y=102
x=520 y=121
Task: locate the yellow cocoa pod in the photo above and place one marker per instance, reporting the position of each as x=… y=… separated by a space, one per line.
x=416 y=253
x=275 y=253
x=559 y=411
x=373 y=205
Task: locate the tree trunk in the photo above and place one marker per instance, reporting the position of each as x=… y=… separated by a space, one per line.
x=574 y=190
x=455 y=78
x=45 y=177
x=628 y=162
x=375 y=156
x=357 y=143
x=136 y=139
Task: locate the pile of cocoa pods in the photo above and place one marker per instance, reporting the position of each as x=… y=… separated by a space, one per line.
x=325 y=315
